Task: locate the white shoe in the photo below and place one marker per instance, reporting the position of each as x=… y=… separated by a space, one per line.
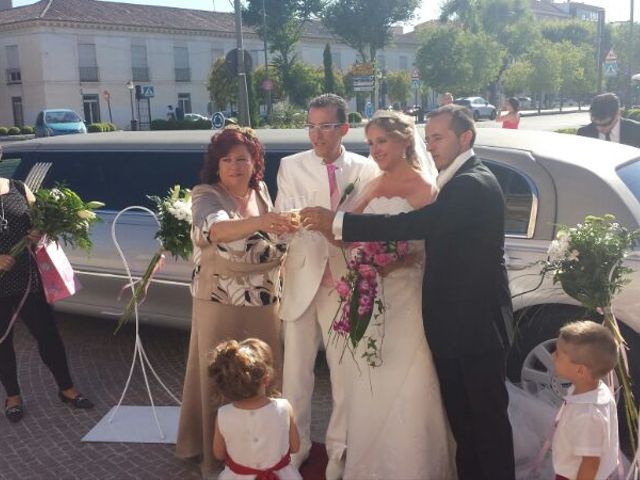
x=335 y=469
x=297 y=459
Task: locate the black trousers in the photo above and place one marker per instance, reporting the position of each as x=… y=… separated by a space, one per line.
x=37 y=315
x=475 y=398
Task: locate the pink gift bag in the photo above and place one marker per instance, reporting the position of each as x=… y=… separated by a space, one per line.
x=58 y=280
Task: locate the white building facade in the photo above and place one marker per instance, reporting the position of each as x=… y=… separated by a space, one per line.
x=82 y=54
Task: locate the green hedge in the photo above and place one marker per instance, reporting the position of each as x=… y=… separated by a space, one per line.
x=355 y=118
x=14 y=131
x=101 y=127
x=26 y=130
x=162 y=124
x=4 y=130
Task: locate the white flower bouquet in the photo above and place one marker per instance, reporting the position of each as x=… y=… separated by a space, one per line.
x=174 y=215
x=587 y=261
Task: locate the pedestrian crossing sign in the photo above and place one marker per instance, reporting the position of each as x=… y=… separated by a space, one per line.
x=611 y=69
x=148 y=91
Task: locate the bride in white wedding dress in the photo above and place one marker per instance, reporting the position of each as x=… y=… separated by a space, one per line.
x=397 y=426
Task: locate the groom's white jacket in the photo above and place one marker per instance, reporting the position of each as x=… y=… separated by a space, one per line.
x=304 y=174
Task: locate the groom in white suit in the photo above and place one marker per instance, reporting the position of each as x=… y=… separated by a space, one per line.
x=318 y=176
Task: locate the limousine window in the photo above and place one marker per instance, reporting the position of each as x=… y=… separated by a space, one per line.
x=122 y=179
x=630 y=175
x=8 y=167
x=520 y=200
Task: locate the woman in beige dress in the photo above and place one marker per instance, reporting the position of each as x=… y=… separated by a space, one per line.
x=236 y=280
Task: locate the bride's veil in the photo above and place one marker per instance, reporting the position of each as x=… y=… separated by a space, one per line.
x=424 y=158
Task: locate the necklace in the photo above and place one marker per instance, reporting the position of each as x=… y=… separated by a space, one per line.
x=4 y=223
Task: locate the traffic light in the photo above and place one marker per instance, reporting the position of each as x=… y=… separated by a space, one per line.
x=138 y=92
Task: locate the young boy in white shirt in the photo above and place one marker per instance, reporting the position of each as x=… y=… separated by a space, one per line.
x=585 y=443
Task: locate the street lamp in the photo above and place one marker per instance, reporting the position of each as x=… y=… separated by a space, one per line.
x=134 y=123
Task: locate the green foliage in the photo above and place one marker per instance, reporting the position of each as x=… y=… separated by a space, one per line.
x=518 y=77
x=4 y=130
x=365 y=25
x=308 y=84
x=398 y=86
x=61 y=215
x=578 y=75
x=222 y=87
x=571 y=131
x=285 y=21
x=26 y=130
x=94 y=128
x=577 y=32
x=354 y=118
x=329 y=81
x=546 y=60
x=13 y=131
x=632 y=113
x=621 y=44
x=162 y=124
x=259 y=75
x=478 y=58
x=287 y=116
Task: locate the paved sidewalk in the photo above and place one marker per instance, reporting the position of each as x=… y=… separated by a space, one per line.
x=46 y=444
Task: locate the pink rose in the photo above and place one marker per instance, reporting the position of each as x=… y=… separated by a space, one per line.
x=402 y=248
x=367 y=272
x=384 y=259
x=343 y=288
x=372 y=248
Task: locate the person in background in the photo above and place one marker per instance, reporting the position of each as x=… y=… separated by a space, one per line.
x=17 y=277
x=236 y=280
x=446 y=99
x=255 y=433
x=585 y=443
x=170 y=113
x=607 y=123
x=510 y=118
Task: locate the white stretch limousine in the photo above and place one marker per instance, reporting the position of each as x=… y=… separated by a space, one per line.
x=548 y=180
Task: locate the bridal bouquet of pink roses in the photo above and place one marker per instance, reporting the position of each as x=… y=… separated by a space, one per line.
x=360 y=296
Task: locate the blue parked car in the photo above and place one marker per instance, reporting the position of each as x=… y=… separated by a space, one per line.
x=61 y=121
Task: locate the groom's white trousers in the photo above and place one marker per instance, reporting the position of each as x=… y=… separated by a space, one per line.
x=302 y=338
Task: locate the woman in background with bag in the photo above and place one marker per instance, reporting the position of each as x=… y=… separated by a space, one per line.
x=21 y=294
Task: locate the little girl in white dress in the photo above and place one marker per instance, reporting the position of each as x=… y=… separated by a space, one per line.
x=254 y=434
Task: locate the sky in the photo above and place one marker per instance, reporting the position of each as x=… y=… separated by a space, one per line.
x=616 y=10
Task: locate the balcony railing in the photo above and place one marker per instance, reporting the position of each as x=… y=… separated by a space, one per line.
x=140 y=74
x=89 y=74
x=183 y=74
x=13 y=76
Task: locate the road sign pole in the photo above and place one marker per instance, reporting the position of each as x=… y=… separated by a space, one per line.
x=243 y=100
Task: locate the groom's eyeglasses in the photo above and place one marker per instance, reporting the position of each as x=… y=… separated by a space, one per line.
x=323 y=127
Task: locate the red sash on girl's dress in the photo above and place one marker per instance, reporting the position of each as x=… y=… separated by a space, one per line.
x=266 y=474
x=560 y=477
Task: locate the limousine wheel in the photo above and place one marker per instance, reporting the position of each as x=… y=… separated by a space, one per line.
x=538 y=375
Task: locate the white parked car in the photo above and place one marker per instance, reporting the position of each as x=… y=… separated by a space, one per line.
x=548 y=179
x=478 y=106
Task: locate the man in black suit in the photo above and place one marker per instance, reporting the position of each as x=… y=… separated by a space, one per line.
x=607 y=124
x=467 y=312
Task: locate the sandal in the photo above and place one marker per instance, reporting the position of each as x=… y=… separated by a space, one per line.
x=14 y=414
x=79 y=401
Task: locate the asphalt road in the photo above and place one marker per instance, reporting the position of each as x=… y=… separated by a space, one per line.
x=545 y=122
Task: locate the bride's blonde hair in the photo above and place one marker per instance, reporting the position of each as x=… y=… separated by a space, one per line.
x=400 y=126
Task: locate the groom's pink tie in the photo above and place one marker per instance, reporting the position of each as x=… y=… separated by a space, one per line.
x=334 y=195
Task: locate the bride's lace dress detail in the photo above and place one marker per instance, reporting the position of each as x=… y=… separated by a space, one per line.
x=397 y=426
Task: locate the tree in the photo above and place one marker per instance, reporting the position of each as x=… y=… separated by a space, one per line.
x=477 y=60
x=329 y=80
x=308 y=84
x=398 y=87
x=517 y=78
x=546 y=61
x=285 y=21
x=578 y=32
x=259 y=75
x=463 y=12
x=577 y=70
x=365 y=25
x=223 y=87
